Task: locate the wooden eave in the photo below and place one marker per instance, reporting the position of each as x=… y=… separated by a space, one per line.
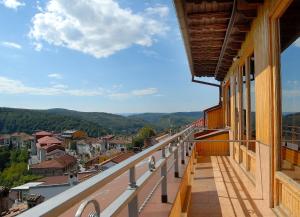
x=213 y=32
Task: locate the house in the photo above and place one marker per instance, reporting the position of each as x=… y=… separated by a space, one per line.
x=90 y=146
x=55 y=166
x=41 y=134
x=116 y=142
x=38 y=135
x=74 y=134
x=70 y=135
x=116 y=160
x=47 y=187
x=4 y=140
x=46 y=146
x=21 y=140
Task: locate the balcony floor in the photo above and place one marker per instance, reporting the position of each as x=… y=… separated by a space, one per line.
x=218 y=190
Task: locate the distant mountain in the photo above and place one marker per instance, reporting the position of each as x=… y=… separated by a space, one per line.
x=94 y=123
x=167 y=120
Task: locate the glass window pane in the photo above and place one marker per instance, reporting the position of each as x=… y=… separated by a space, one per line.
x=290 y=83
x=252 y=104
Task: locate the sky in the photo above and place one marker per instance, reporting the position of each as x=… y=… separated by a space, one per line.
x=290 y=78
x=115 y=56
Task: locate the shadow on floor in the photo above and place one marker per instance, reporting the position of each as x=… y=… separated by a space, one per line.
x=218 y=191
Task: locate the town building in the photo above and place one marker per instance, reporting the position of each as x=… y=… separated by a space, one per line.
x=4 y=140
x=49 y=147
x=55 y=166
x=21 y=140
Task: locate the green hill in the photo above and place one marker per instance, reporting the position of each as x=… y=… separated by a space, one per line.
x=166 y=120
x=94 y=123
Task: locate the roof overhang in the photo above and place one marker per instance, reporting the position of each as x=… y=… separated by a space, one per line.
x=213 y=32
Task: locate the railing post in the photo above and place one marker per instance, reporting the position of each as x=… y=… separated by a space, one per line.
x=187 y=149
x=176 y=174
x=164 y=187
x=182 y=152
x=133 y=204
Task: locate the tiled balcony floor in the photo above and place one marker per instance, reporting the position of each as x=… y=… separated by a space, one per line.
x=217 y=190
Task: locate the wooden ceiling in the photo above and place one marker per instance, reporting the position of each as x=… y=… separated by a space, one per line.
x=290 y=25
x=213 y=32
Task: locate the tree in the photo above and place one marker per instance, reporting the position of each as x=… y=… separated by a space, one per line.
x=16 y=174
x=144 y=133
x=4 y=158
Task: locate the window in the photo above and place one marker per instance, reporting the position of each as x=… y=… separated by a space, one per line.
x=244 y=103
x=290 y=82
x=227 y=103
x=252 y=103
x=237 y=127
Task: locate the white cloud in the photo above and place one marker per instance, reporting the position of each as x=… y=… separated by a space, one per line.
x=55 y=75
x=38 y=46
x=11 y=86
x=10 y=44
x=160 y=10
x=13 y=4
x=143 y=92
x=97 y=27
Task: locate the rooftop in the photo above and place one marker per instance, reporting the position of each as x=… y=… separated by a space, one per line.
x=54 y=180
x=49 y=140
x=43 y=133
x=56 y=163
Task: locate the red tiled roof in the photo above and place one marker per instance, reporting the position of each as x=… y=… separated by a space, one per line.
x=43 y=133
x=49 y=140
x=122 y=157
x=108 y=137
x=51 y=180
x=52 y=147
x=59 y=163
x=23 y=136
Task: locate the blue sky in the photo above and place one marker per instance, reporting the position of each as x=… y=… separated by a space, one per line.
x=96 y=55
x=290 y=77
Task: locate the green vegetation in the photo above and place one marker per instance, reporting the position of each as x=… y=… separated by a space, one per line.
x=94 y=123
x=144 y=133
x=163 y=121
x=13 y=170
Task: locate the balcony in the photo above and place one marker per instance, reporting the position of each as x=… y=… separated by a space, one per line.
x=191 y=173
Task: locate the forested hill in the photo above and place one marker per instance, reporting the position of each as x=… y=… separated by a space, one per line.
x=94 y=123
x=167 y=120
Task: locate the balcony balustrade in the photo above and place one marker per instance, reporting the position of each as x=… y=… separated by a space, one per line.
x=172 y=147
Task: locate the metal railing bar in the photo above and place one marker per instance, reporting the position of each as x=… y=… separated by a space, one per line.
x=118 y=204
x=156 y=185
x=74 y=195
x=150 y=194
x=222 y=140
x=171 y=165
x=114 y=208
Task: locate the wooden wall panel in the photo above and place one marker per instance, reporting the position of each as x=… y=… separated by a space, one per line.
x=289 y=195
x=214 y=148
x=252 y=164
x=215 y=118
x=291 y=156
x=181 y=203
x=244 y=156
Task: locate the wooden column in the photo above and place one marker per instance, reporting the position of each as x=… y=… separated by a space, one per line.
x=248 y=108
x=240 y=109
